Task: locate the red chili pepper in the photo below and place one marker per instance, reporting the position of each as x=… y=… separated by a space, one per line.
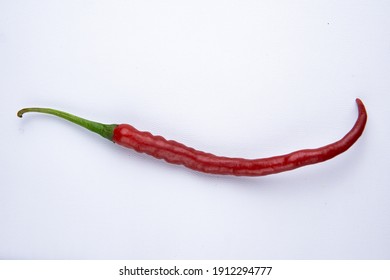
x=177 y=153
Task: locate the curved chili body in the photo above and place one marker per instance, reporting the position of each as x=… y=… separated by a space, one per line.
x=177 y=153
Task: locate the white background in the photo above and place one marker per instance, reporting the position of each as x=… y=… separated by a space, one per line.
x=235 y=78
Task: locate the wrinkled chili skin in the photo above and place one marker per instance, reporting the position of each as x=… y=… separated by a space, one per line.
x=177 y=153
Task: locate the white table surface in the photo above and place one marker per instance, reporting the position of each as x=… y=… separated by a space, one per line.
x=235 y=78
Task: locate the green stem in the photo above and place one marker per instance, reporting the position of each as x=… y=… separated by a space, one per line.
x=105 y=130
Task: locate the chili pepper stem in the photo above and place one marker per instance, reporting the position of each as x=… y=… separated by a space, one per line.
x=105 y=130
